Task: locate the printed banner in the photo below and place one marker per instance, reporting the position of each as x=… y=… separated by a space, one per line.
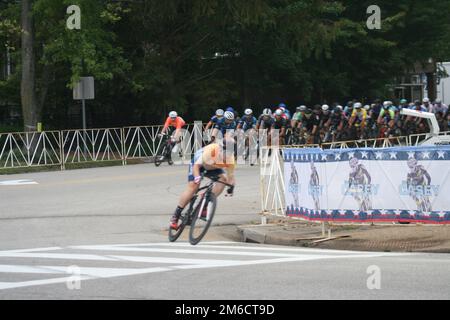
x=404 y=184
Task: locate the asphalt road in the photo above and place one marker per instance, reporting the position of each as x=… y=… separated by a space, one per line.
x=101 y=234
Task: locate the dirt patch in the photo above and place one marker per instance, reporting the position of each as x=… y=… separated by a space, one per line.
x=387 y=238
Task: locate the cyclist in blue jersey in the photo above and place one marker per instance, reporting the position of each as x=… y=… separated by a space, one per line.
x=246 y=129
x=219 y=115
x=236 y=114
x=248 y=121
x=226 y=126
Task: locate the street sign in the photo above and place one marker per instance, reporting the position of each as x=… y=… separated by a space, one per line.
x=84 y=89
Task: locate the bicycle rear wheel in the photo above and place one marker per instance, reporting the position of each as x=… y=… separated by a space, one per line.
x=182 y=223
x=201 y=224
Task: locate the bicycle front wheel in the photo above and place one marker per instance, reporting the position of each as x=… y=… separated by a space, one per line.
x=203 y=216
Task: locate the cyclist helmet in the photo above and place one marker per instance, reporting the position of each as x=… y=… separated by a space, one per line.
x=220 y=112
x=367 y=107
x=248 y=112
x=173 y=115
x=403 y=101
x=325 y=107
x=358 y=105
x=279 y=113
x=387 y=104
x=438 y=101
x=267 y=112
x=229 y=115
x=230 y=109
x=282 y=106
x=308 y=111
x=426 y=100
x=302 y=108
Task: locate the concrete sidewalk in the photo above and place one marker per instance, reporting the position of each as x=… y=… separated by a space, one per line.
x=388 y=237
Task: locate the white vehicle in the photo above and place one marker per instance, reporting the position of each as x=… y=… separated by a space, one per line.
x=434 y=137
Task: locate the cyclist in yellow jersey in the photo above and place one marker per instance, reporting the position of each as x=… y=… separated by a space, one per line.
x=359 y=116
x=210 y=161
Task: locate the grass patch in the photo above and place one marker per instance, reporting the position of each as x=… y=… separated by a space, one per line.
x=8 y=129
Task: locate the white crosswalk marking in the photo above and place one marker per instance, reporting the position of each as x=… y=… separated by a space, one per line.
x=147 y=258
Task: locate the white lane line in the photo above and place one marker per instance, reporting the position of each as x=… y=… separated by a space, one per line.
x=173 y=260
x=186 y=251
x=109 y=272
x=241 y=246
x=86 y=274
x=68 y=256
x=87 y=271
x=173 y=244
x=245 y=247
x=76 y=256
x=281 y=260
x=13 y=285
x=5 y=268
x=31 y=250
x=17 y=182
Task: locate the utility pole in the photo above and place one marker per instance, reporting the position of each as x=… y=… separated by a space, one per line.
x=431 y=79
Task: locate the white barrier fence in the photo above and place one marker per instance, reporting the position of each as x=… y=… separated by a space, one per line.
x=58 y=148
x=68 y=147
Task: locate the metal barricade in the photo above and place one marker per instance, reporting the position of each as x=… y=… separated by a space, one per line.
x=92 y=145
x=30 y=149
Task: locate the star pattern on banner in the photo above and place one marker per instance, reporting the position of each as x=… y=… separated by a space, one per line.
x=379 y=155
x=411 y=155
x=426 y=155
x=441 y=154
x=393 y=155
x=365 y=154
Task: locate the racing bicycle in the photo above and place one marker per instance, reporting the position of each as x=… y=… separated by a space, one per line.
x=199 y=213
x=168 y=143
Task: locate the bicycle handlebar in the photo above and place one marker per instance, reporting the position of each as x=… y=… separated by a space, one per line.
x=216 y=179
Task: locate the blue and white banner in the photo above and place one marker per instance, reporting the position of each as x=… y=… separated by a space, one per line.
x=364 y=185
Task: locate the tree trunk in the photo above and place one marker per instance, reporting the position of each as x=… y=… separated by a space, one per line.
x=431 y=86
x=28 y=90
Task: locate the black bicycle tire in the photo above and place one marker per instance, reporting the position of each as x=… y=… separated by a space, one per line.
x=159 y=162
x=246 y=152
x=194 y=241
x=173 y=236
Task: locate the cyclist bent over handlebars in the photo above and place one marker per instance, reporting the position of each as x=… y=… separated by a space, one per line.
x=210 y=161
x=176 y=122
